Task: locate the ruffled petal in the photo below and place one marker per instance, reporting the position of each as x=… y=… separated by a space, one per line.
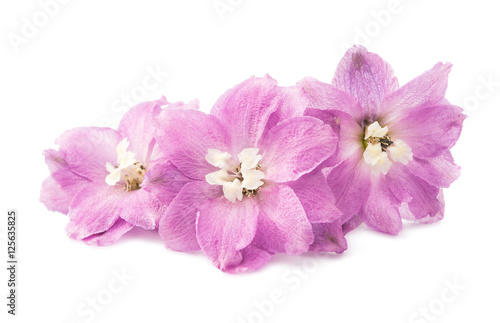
x=283 y=224
x=253 y=258
x=425 y=90
x=164 y=180
x=293 y=103
x=59 y=189
x=87 y=150
x=430 y=131
x=382 y=208
x=177 y=227
x=439 y=171
x=367 y=77
x=224 y=228
x=420 y=196
x=245 y=110
x=350 y=184
x=137 y=126
x=328 y=237
x=110 y=236
x=94 y=210
x=140 y=208
x=295 y=147
x=316 y=197
x=185 y=136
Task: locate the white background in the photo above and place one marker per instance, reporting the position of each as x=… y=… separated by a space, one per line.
x=79 y=64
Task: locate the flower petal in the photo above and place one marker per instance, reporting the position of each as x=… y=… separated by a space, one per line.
x=164 y=180
x=328 y=237
x=316 y=197
x=87 y=150
x=350 y=184
x=245 y=110
x=106 y=238
x=185 y=136
x=382 y=208
x=425 y=90
x=140 y=208
x=177 y=227
x=323 y=96
x=367 y=77
x=94 y=210
x=430 y=131
x=137 y=126
x=253 y=258
x=224 y=228
x=283 y=224
x=420 y=196
x=439 y=171
x=295 y=147
x=59 y=189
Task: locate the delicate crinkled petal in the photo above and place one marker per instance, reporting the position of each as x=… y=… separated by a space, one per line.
x=245 y=110
x=224 y=228
x=328 y=237
x=185 y=137
x=253 y=258
x=293 y=103
x=354 y=222
x=106 y=238
x=140 y=208
x=367 y=77
x=164 y=180
x=177 y=227
x=87 y=150
x=350 y=184
x=137 y=126
x=283 y=224
x=439 y=171
x=295 y=147
x=350 y=132
x=420 y=196
x=94 y=210
x=430 y=131
x=59 y=189
x=382 y=208
x=316 y=197
x=233 y=190
x=323 y=96
x=425 y=90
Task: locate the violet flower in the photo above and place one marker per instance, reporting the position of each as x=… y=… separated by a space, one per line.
x=393 y=158
x=253 y=189
x=97 y=173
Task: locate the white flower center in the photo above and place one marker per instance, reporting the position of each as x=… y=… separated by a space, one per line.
x=237 y=179
x=381 y=150
x=128 y=172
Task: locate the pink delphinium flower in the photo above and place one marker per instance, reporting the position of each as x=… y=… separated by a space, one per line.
x=394 y=148
x=97 y=173
x=254 y=188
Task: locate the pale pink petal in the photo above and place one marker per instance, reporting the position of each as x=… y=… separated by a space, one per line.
x=296 y=146
x=245 y=110
x=224 y=228
x=316 y=197
x=87 y=150
x=110 y=236
x=425 y=90
x=142 y=209
x=283 y=224
x=328 y=237
x=439 y=171
x=430 y=131
x=137 y=126
x=185 y=136
x=382 y=208
x=253 y=258
x=367 y=77
x=94 y=210
x=177 y=227
x=323 y=96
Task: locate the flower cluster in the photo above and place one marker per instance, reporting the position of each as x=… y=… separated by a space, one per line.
x=270 y=170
